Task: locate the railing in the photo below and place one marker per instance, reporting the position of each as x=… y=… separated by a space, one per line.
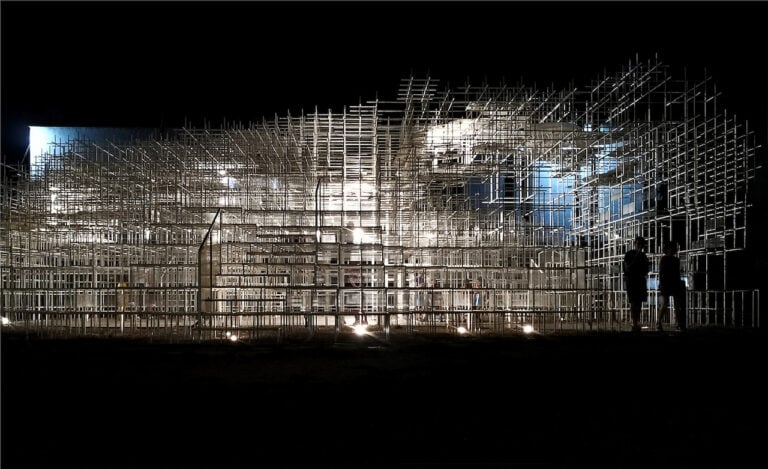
x=739 y=308
x=729 y=308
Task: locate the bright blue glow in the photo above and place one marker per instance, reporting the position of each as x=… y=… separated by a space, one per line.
x=40 y=139
x=43 y=140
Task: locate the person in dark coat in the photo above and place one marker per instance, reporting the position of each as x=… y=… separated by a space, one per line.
x=636 y=267
x=671 y=286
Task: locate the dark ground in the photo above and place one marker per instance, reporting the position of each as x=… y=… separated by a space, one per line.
x=609 y=400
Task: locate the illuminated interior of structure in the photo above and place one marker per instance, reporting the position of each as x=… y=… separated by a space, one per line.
x=484 y=208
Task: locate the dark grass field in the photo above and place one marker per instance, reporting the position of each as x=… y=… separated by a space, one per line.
x=603 y=400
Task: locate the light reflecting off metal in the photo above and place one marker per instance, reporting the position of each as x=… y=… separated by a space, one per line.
x=360 y=329
x=357 y=235
x=219 y=224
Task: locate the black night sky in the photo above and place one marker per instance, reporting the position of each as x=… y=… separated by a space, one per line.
x=155 y=64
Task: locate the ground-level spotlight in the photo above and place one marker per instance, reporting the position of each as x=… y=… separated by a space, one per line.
x=527 y=328
x=360 y=329
x=4 y=321
x=233 y=337
x=461 y=330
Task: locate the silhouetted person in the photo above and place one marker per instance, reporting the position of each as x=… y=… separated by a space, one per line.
x=636 y=267
x=671 y=286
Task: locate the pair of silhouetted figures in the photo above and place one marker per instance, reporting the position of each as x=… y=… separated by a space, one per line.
x=636 y=268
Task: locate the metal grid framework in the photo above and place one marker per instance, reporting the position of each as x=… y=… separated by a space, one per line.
x=485 y=207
